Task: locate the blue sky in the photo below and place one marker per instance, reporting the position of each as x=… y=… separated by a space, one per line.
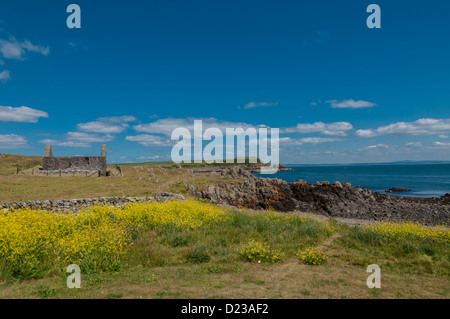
x=338 y=91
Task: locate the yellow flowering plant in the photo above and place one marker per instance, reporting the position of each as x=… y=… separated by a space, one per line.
x=312 y=256
x=255 y=251
x=408 y=230
x=95 y=238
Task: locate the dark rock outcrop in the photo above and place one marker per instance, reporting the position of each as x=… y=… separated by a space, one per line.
x=397 y=190
x=324 y=198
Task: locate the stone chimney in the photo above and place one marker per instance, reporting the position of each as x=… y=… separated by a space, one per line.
x=48 y=151
x=103 y=150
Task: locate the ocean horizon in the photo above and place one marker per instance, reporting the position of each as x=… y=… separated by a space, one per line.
x=424 y=180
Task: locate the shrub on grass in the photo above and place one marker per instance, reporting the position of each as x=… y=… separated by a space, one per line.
x=313 y=256
x=259 y=252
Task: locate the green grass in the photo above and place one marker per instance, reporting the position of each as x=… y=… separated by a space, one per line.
x=146 y=179
x=421 y=256
x=45 y=291
x=168 y=164
x=205 y=263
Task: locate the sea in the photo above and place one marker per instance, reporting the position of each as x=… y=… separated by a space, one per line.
x=424 y=180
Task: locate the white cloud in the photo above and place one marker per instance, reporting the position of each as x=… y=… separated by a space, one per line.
x=147 y=140
x=318 y=140
x=89 y=138
x=420 y=127
x=65 y=143
x=107 y=125
x=148 y=157
x=378 y=146
x=16 y=50
x=35 y=48
x=258 y=104
x=101 y=127
x=4 y=76
x=332 y=129
x=118 y=119
x=366 y=133
x=440 y=144
x=166 y=126
x=13 y=49
x=20 y=114
x=350 y=104
x=12 y=141
x=288 y=141
x=443 y=136
x=79 y=139
x=414 y=144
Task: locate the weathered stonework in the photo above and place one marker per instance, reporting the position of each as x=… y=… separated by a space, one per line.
x=73 y=205
x=48 y=151
x=73 y=165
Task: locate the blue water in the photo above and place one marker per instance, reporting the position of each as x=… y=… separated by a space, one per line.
x=425 y=180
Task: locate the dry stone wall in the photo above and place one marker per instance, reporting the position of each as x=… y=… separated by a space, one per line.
x=71 y=205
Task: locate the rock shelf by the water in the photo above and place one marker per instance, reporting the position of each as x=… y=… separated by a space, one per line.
x=332 y=200
x=397 y=190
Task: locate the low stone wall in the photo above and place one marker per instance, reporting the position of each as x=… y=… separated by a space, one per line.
x=71 y=205
x=70 y=172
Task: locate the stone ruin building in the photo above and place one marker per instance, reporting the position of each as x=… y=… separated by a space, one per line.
x=74 y=164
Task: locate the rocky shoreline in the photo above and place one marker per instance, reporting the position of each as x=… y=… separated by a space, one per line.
x=337 y=200
x=323 y=198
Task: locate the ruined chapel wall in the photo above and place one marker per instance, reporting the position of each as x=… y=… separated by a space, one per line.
x=84 y=163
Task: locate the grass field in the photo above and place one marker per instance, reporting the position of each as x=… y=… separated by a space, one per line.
x=138 y=180
x=197 y=250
